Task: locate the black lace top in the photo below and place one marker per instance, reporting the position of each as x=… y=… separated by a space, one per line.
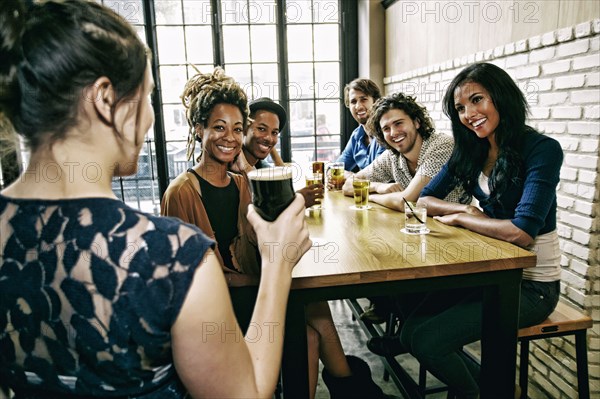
x=89 y=290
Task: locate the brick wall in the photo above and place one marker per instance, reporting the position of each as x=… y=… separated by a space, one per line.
x=559 y=72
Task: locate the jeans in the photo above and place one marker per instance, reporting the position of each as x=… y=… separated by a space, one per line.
x=444 y=321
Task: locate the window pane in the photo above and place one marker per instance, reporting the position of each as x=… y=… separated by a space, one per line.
x=303 y=151
x=141 y=32
x=199 y=44
x=168 y=12
x=176 y=126
x=208 y=68
x=301 y=81
x=328 y=118
x=298 y=11
x=170 y=44
x=264 y=43
x=325 y=11
x=326 y=43
x=262 y=12
x=327 y=79
x=197 y=12
x=177 y=157
x=266 y=81
x=234 y=11
x=131 y=10
x=173 y=80
x=301 y=118
x=328 y=148
x=241 y=74
x=236 y=44
x=299 y=43
x=140 y=190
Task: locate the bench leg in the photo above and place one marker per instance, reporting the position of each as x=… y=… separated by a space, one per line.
x=422 y=379
x=389 y=331
x=583 y=382
x=524 y=368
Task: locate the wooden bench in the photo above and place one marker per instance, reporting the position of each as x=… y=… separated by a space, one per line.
x=562 y=322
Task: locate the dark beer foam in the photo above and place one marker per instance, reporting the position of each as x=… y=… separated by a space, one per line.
x=271 y=174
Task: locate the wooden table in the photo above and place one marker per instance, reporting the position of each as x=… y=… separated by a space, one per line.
x=365 y=254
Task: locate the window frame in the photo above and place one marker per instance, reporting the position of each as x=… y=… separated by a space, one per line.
x=156 y=146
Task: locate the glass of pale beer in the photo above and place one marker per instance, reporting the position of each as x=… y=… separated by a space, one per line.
x=336 y=175
x=314 y=178
x=361 y=193
x=272 y=191
x=319 y=167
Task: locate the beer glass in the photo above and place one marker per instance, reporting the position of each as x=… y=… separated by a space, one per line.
x=272 y=191
x=415 y=218
x=314 y=178
x=319 y=167
x=361 y=193
x=337 y=175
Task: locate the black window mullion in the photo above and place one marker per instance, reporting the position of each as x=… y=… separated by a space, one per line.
x=314 y=80
x=184 y=26
x=162 y=168
x=250 y=51
x=349 y=62
x=284 y=79
x=217 y=31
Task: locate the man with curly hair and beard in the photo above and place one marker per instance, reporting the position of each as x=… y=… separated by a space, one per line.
x=414 y=154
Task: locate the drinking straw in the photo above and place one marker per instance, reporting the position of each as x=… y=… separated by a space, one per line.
x=411 y=208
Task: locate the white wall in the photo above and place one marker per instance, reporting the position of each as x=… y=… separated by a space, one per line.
x=426 y=32
x=559 y=72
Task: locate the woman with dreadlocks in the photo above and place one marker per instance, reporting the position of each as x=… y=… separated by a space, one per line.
x=214 y=199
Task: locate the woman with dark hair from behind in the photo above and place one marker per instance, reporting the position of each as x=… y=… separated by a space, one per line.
x=513 y=171
x=98 y=299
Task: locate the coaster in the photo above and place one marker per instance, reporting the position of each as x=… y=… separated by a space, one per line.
x=364 y=208
x=403 y=230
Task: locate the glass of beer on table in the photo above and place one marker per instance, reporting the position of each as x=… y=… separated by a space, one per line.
x=272 y=191
x=361 y=193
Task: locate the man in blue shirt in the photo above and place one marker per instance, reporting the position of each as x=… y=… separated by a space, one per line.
x=362 y=148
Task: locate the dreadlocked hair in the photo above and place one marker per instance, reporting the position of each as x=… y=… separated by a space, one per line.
x=200 y=95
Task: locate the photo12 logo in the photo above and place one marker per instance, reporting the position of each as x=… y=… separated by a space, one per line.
x=469 y=11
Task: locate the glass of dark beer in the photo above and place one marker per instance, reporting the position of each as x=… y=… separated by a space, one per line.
x=272 y=191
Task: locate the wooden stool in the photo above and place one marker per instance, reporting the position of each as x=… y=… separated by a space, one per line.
x=563 y=321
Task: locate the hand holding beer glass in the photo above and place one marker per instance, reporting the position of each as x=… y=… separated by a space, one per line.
x=319 y=167
x=361 y=193
x=315 y=180
x=272 y=191
x=336 y=176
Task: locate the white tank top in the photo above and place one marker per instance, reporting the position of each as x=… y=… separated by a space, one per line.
x=545 y=246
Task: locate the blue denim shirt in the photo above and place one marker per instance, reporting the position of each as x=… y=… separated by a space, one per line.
x=357 y=154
